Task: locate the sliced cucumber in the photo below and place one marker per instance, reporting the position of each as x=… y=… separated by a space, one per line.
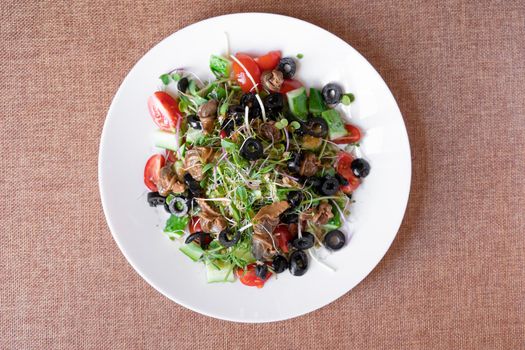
x=219 y=271
x=316 y=104
x=336 y=127
x=192 y=250
x=165 y=139
x=298 y=102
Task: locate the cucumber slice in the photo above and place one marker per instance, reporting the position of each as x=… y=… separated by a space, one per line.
x=297 y=101
x=192 y=250
x=219 y=271
x=316 y=104
x=336 y=127
x=165 y=140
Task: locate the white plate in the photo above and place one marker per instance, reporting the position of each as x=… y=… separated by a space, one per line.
x=126 y=144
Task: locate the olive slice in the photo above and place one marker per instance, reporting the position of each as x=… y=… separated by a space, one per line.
x=182 y=84
x=287 y=66
x=334 y=240
x=178 y=206
x=279 y=263
x=252 y=149
x=154 y=199
x=360 y=167
x=194 y=122
x=317 y=127
x=332 y=94
x=294 y=198
x=227 y=239
x=298 y=263
x=329 y=186
x=304 y=242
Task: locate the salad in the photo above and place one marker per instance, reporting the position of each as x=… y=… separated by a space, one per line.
x=258 y=171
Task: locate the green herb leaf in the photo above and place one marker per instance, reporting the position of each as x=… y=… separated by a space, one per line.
x=223 y=109
x=229 y=146
x=175 y=76
x=220 y=66
x=176 y=224
x=347 y=99
x=165 y=78
x=242 y=193
x=295 y=125
x=300 y=55
x=207 y=167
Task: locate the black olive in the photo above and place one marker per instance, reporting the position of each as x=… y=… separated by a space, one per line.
x=294 y=163
x=298 y=263
x=178 y=206
x=287 y=66
x=305 y=242
x=203 y=238
x=334 y=240
x=183 y=84
x=341 y=179
x=193 y=185
x=360 y=167
x=251 y=149
x=279 y=263
x=167 y=208
x=249 y=100
x=227 y=239
x=289 y=217
x=261 y=270
x=154 y=199
x=294 y=198
x=194 y=122
x=329 y=186
x=317 y=127
x=332 y=94
x=273 y=103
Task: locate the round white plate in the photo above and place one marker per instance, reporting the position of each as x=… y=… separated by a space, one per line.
x=126 y=144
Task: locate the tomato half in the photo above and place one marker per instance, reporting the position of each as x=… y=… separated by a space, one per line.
x=195 y=224
x=289 y=85
x=344 y=168
x=152 y=171
x=283 y=236
x=268 y=61
x=249 y=278
x=164 y=110
x=354 y=135
x=240 y=74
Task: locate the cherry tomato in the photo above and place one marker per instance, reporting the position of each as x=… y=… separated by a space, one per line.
x=289 y=85
x=152 y=171
x=170 y=156
x=268 y=61
x=353 y=184
x=240 y=74
x=164 y=110
x=222 y=134
x=344 y=168
x=354 y=135
x=283 y=236
x=248 y=277
x=195 y=224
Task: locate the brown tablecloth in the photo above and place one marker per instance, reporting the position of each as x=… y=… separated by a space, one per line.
x=454 y=277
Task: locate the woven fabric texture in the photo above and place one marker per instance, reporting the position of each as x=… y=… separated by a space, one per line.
x=455 y=275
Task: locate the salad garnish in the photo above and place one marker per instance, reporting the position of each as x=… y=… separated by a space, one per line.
x=257 y=171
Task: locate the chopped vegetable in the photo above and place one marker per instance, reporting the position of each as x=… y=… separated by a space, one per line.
x=252 y=167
